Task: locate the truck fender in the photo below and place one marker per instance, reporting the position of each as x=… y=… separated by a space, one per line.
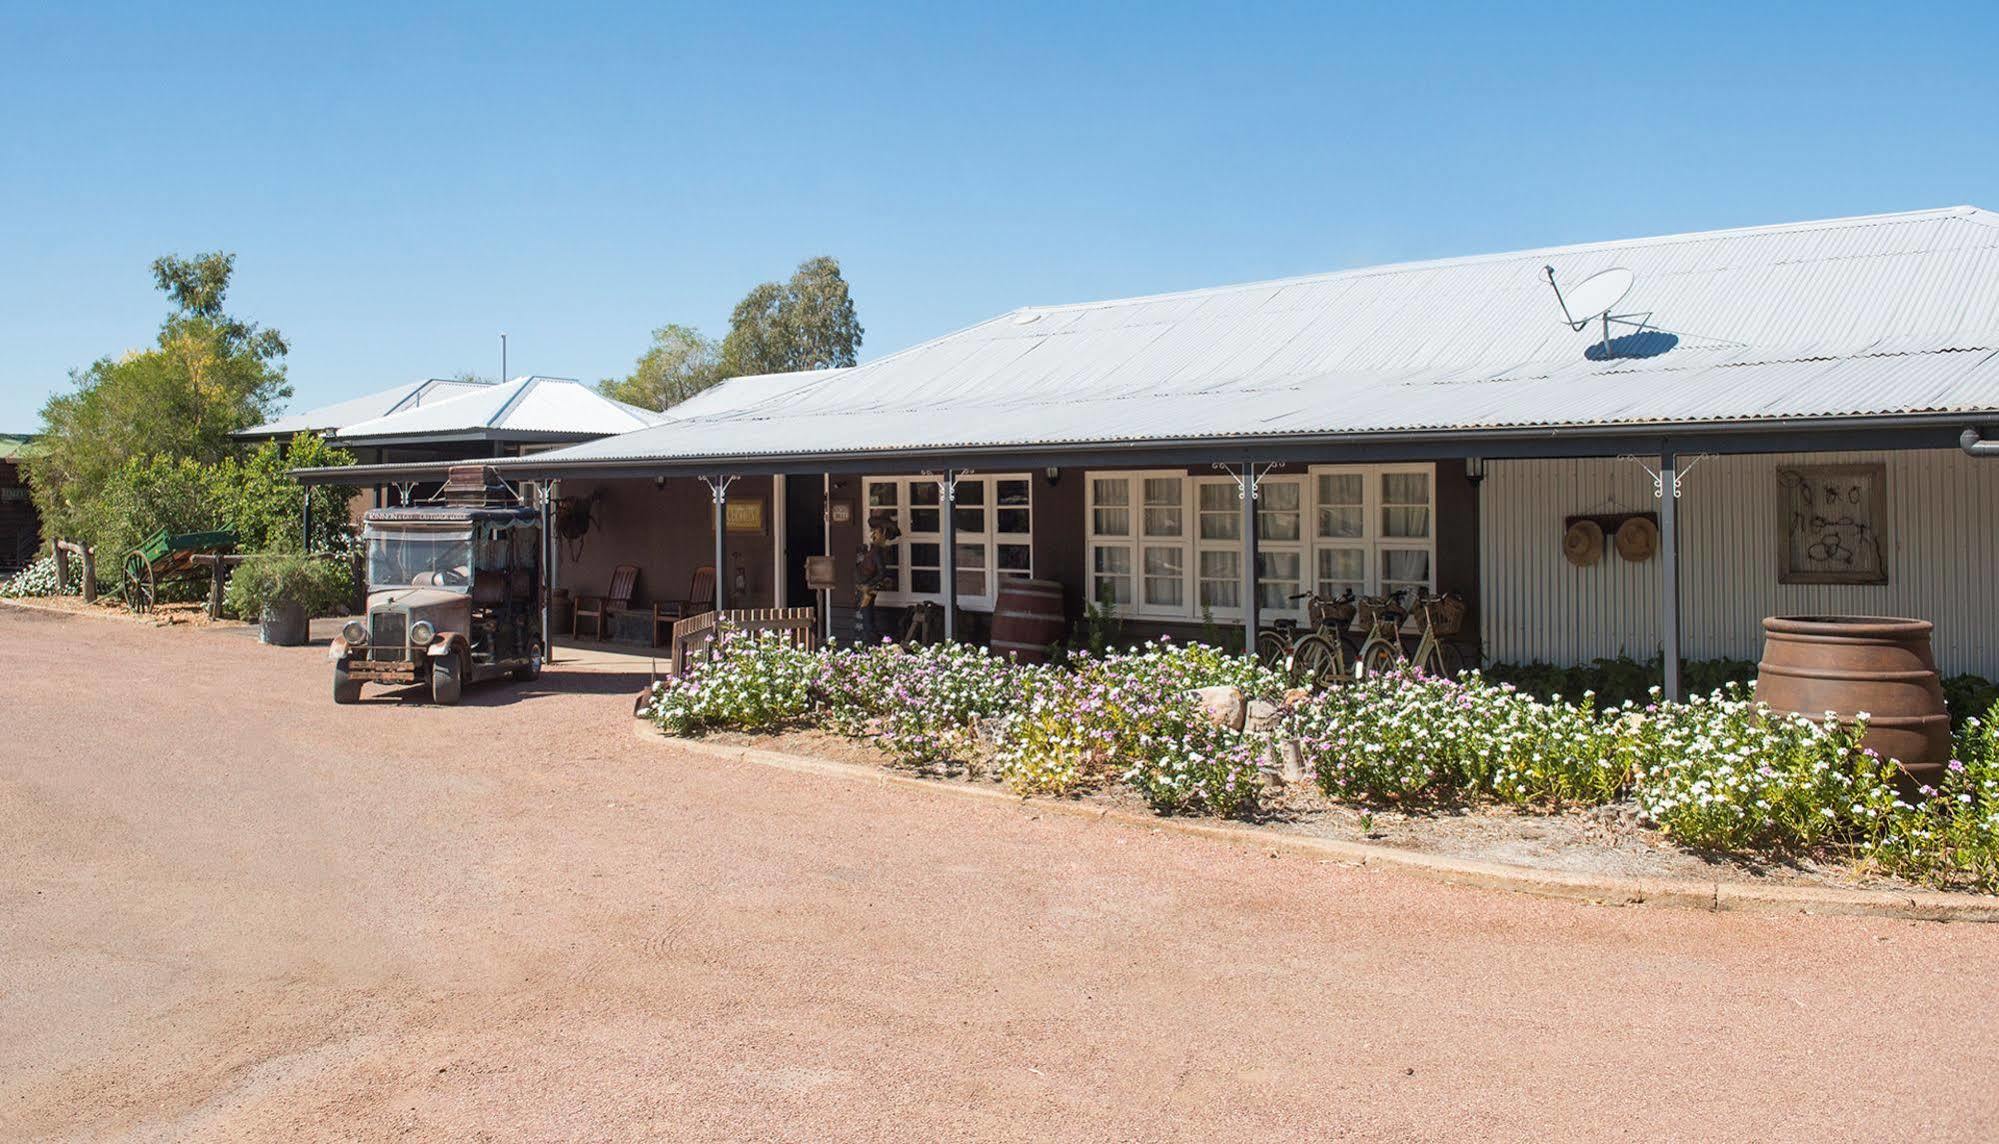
x=449 y=643
x=337 y=650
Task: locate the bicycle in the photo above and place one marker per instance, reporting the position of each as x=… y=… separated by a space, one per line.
x=1321 y=656
x=1436 y=616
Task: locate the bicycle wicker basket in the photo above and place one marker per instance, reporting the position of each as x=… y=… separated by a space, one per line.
x=1447 y=616
x=1333 y=612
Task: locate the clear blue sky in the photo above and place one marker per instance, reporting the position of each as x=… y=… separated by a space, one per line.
x=400 y=185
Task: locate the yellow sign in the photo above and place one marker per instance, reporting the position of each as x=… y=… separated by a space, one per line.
x=746 y=516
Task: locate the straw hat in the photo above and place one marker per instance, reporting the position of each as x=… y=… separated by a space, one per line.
x=1582 y=544
x=1637 y=539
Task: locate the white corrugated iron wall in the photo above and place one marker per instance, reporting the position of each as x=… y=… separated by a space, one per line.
x=1943 y=564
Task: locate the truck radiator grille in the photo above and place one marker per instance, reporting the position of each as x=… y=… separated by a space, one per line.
x=388 y=638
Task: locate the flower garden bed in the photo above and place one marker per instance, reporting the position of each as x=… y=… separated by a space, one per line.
x=1713 y=788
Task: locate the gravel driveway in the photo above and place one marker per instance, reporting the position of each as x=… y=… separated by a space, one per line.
x=233 y=909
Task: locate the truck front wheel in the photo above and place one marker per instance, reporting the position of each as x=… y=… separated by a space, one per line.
x=447 y=679
x=345 y=688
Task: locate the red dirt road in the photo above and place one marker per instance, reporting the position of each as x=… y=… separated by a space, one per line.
x=231 y=909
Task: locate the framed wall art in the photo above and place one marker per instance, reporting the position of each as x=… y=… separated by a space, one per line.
x=1834 y=522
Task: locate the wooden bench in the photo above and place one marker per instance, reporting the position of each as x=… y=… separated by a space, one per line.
x=695 y=637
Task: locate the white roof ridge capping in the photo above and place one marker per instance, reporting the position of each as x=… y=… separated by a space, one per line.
x=1834 y=321
x=367 y=407
x=533 y=406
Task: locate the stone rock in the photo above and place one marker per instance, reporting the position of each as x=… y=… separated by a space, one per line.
x=1261 y=715
x=1290 y=760
x=1296 y=695
x=1223 y=705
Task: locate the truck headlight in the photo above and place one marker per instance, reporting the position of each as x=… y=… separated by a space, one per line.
x=355 y=633
x=422 y=632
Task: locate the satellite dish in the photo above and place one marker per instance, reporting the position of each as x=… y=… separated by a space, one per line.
x=1593 y=299
x=1594 y=296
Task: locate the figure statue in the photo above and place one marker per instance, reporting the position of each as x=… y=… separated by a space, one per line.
x=873 y=575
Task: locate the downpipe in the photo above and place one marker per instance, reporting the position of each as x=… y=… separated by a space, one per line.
x=1973 y=442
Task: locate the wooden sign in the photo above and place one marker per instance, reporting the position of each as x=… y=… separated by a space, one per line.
x=820 y=573
x=840 y=512
x=746 y=515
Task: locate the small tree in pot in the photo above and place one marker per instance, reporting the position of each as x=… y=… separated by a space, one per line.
x=283 y=592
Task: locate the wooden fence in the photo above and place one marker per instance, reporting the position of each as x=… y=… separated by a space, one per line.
x=64 y=549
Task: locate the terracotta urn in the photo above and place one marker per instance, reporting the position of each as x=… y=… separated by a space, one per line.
x=1849 y=664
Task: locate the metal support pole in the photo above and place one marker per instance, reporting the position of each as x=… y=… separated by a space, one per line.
x=305 y=521
x=1669 y=572
x=826 y=547
x=948 y=488
x=554 y=557
x=547 y=574
x=1247 y=490
x=720 y=487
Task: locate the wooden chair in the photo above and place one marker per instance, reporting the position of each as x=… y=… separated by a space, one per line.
x=624 y=580
x=700 y=598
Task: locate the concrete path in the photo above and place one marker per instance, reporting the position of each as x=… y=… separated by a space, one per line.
x=233 y=909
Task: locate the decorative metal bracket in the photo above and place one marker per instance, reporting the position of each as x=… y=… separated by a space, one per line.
x=718 y=487
x=1255 y=478
x=404 y=489
x=948 y=489
x=1659 y=480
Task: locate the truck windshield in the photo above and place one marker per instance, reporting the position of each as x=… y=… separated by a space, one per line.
x=419 y=558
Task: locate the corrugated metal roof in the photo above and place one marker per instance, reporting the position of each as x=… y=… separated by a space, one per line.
x=556 y=407
x=1884 y=314
x=325 y=418
x=16 y=445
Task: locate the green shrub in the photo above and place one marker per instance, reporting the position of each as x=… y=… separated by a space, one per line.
x=1045 y=748
x=39 y=579
x=142 y=497
x=1616 y=681
x=1969 y=696
x=1951 y=837
x=755 y=682
x=1405 y=736
x=1718 y=773
x=1722 y=772
x=319 y=585
x=260 y=499
x=1133 y=713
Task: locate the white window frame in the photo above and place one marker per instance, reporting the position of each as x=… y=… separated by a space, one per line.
x=989 y=537
x=1307 y=546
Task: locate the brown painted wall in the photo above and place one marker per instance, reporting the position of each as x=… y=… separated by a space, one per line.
x=1060 y=547
x=668 y=532
x=1457 y=545
x=20 y=525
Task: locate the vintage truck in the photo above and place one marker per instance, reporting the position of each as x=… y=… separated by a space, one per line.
x=455 y=589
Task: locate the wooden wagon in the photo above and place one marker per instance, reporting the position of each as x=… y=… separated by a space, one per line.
x=169 y=558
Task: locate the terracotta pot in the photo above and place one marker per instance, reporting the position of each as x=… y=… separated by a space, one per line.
x=1848 y=664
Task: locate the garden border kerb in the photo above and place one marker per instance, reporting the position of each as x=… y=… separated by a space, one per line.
x=1676 y=893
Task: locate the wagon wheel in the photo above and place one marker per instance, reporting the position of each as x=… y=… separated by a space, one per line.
x=140 y=590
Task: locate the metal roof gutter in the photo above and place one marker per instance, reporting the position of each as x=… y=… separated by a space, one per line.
x=1891 y=432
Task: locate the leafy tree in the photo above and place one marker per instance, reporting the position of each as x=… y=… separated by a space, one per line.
x=262 y=501
x=206 y=376
x=256 y=496
x=680 y=363
x=806 y=323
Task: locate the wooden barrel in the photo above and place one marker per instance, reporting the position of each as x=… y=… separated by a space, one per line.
x=1027 y=618
x=1848 y=664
